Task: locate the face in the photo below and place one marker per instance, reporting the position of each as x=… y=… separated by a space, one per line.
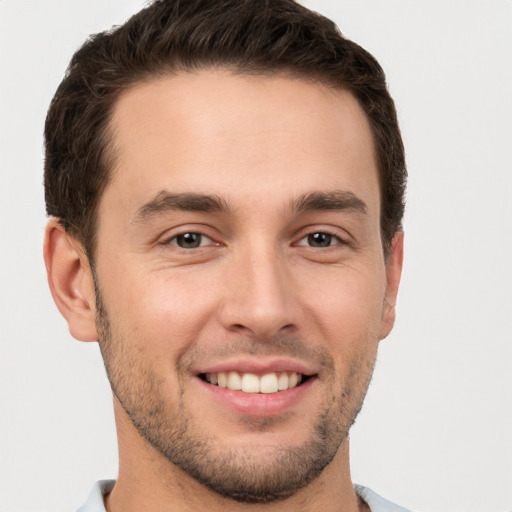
x=240 y=279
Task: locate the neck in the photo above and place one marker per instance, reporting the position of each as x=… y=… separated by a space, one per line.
x=148 y=481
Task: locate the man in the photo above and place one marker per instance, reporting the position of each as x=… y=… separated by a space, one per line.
x=225 y=182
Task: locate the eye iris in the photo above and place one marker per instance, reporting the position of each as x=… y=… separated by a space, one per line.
x=189 y=240
x=320 y=239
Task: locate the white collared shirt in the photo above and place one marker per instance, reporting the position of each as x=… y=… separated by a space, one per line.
x=376 y=503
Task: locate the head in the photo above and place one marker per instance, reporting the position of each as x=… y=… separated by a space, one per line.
x=168 y=37
x=227 y=181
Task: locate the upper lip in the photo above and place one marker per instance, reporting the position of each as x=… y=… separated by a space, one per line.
x=258 y=366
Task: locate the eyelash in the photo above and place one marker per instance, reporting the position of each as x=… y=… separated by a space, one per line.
x=174 y=239
x=205 y=240
x=330 y=236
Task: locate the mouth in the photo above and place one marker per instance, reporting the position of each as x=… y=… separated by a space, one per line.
x=251 y=383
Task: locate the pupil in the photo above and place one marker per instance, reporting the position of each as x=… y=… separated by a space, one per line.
x=189 y=240
x=320 y=240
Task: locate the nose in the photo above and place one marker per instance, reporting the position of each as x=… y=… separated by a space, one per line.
x=259 y=295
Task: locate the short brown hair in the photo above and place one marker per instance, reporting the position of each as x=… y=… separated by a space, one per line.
x=248 y=36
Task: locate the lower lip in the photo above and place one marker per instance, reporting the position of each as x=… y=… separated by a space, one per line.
x=259 y=404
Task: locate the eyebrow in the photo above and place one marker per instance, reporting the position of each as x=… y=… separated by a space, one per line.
x=165 y=202
x=335 y=200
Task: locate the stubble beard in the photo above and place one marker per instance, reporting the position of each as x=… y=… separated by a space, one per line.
x=260 y=476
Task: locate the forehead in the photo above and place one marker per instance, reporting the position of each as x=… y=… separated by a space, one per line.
x=233 y=135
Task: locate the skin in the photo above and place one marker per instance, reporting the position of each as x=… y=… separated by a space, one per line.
x=257 y=291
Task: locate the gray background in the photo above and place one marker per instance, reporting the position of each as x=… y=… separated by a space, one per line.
x=436 y=431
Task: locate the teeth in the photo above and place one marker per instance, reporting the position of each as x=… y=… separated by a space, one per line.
x=252 y=383
x=212 y=378
x=222 y=380
x=268 y=383
x=234 y=381
x=283 y=382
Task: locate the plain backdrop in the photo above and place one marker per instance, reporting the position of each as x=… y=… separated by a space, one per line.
x=435 y=433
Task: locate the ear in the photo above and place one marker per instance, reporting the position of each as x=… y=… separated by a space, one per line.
x=70 y=279
x=393 y=274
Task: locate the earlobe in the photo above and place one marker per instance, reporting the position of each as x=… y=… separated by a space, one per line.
x=393 y=275
x=70 y=280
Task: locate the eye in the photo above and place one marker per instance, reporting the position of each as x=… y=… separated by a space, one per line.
x=320 y=239
x=190 y=240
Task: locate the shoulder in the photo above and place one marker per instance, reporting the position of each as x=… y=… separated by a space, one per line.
x=377 y=503
x=95 y=501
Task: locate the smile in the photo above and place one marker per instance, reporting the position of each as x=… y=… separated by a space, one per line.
x=252 y=383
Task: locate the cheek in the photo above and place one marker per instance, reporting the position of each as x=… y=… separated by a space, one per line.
x=165 y=313
x=347 y=308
